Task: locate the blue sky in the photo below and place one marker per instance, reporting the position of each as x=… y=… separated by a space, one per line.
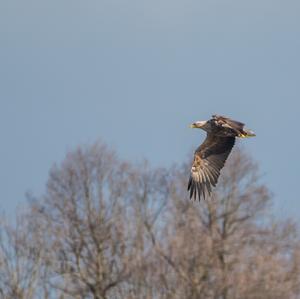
x=136 y=73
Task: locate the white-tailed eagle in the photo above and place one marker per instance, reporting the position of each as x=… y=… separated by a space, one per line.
x=210 y=156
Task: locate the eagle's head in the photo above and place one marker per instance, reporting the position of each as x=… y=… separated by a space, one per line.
x=201 y=124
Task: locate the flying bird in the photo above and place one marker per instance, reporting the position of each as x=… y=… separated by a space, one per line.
x=211 y=155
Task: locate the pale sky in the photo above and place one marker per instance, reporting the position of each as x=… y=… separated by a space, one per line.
x=136 y=73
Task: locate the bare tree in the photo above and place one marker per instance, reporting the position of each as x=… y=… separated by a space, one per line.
x=20 y=260
x=112 y=229
x=84 y=222
x=208 y=249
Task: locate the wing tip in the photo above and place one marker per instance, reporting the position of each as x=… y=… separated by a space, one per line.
x=198 y=190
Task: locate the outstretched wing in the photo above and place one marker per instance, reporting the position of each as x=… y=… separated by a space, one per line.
x=224 y=121
x=209 y=159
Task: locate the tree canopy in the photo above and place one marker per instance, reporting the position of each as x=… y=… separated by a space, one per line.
x=106 y=228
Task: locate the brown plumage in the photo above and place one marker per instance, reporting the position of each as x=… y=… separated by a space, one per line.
x=211 y=155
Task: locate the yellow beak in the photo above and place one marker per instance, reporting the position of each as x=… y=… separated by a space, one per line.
x=192 y=126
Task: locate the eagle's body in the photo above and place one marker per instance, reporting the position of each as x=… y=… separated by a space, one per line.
x=210 y=156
